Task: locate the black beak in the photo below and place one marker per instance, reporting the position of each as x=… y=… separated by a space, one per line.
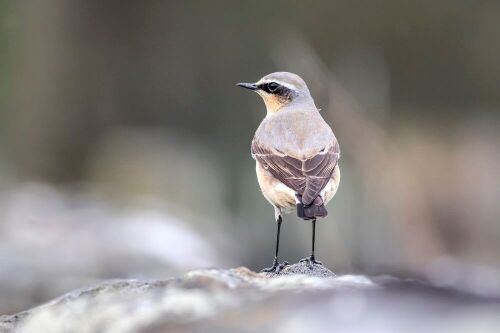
x=251 y=86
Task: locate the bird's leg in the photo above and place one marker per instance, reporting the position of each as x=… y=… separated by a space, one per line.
x=276 y=267
x=311 y=259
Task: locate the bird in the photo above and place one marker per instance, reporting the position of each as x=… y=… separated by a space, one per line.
x=296 y=154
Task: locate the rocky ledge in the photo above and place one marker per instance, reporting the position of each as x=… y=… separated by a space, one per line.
x=239 y=300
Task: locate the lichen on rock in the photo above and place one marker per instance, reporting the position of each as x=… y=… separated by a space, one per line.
x=303 y=268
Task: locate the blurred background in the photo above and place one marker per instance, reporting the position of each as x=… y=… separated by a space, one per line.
x=125 y=145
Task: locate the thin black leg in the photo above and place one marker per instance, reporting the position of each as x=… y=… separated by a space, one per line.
x=276 y=265
x=313 y=238
x=311 y=259
x=278 y=237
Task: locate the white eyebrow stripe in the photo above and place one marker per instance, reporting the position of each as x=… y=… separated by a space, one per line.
x=288 y=85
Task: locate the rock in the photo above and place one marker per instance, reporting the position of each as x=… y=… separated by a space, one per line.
x=239 y=300
x=304 y=268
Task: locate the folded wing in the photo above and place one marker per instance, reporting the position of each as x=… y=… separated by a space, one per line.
x=308 y=177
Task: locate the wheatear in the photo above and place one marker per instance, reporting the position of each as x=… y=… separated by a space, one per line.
x=296 y=153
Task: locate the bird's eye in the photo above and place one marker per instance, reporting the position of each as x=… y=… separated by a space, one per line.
x=272 y=87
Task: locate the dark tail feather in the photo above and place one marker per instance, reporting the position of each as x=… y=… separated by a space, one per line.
x=312 y=211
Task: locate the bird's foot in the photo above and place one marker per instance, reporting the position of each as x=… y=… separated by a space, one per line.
x=276 y=267
x=311 y=260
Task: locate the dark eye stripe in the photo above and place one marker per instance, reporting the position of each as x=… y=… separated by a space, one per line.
x=272 y=88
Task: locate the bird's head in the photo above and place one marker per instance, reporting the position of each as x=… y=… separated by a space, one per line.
x=280 y=89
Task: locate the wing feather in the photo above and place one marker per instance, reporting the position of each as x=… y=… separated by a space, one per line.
x=308 y=176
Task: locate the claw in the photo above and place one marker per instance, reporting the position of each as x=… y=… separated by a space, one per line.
x=311 y=260
x=276 y=267
x=281 y=266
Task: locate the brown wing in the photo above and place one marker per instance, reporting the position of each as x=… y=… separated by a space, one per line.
x=306 y=177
